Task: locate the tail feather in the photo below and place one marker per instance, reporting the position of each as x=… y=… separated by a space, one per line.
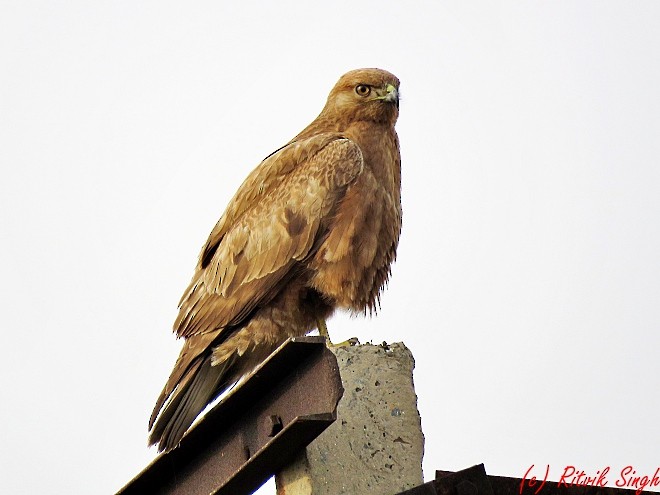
x=186 y=366
x=201 y=383
x=162 y=416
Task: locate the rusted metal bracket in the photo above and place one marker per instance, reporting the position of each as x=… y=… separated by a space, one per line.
x=255 y=430
x=471 y=481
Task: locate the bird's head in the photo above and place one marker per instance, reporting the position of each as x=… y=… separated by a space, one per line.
x=365 y=95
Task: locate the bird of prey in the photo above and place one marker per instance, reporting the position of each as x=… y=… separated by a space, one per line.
x=313 y=228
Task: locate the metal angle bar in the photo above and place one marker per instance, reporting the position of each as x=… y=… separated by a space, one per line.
x=255 y=430
x=471 y=481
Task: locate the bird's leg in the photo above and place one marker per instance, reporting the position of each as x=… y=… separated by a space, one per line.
x=323 y=328
x=323 y=332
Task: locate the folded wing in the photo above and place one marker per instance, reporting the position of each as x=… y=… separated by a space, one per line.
x=272 y=225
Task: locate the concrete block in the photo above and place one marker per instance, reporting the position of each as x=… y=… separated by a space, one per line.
x=376 y=445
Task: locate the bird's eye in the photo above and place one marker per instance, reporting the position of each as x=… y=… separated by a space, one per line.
x=362 y=89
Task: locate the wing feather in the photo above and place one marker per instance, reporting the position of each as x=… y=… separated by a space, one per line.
x=265 y=177
x=270 y=225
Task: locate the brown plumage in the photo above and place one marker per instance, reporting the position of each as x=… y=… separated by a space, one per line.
x=313 y=228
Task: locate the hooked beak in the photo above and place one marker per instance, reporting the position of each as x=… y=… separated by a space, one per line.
x=390 y=94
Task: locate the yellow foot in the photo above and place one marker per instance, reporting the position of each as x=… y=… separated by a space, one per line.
x=323 y=332
x=346 y=343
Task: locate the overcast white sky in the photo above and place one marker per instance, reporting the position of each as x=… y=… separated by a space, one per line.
x=528 y=278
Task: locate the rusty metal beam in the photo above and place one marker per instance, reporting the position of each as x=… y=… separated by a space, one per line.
x=471 y=481
x=255 y=430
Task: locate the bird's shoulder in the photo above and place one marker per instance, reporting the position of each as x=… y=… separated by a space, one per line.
x=329 y=156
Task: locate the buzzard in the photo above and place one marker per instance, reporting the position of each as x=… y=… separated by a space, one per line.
x=313 y=228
